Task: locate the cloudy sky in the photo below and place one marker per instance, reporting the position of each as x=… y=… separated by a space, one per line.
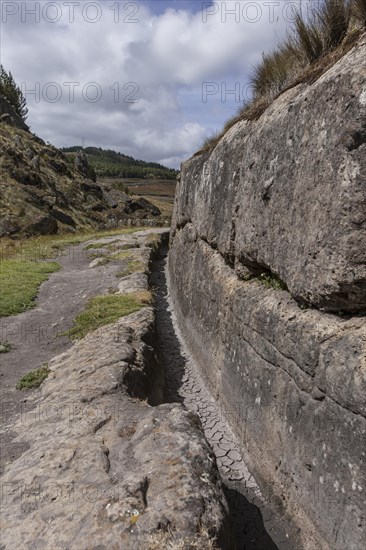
x=148 y=78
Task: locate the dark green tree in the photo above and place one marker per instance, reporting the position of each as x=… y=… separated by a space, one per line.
x=12 y=93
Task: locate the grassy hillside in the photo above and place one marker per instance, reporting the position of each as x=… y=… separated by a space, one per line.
x=112 y=164
x=40 y=192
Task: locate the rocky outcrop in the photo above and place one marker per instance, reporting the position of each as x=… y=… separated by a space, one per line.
x=267 y=272
x=42 y=190
x=108 y=465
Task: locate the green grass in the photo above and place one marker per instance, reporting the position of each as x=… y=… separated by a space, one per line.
x=22 y=271
x=19 y=283
x=104 y=310
x=133 y=266
x=50 y=246
x=21 y=268
x=271 y=281
x=5 y=347
x=122 y=255
x=125 y=253
x=112 y=245
x=33 y=379
x=268 y=280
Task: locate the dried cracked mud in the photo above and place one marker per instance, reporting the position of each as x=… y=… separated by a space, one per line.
x=256 y=526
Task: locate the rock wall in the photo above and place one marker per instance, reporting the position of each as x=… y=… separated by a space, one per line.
x=268 y=278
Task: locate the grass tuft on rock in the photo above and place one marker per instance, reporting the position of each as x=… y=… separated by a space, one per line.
x=104 y=310
x=19 y=283
x=33 y=379
x=134 y=266
x=269 y=280
x=317 y=40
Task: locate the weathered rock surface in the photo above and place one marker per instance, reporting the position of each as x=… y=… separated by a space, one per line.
x=106 y=469
x=283 y=196
x=287 y=193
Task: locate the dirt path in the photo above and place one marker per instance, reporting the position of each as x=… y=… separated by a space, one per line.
x=35 y=334
x=256 y=526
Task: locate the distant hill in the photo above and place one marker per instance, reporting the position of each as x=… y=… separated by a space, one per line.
x=110 y=163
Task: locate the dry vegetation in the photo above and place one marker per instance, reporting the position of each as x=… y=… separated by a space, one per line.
x=314 y=44
x=169 y=541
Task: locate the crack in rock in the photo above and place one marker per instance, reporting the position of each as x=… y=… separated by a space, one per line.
x=185 y=385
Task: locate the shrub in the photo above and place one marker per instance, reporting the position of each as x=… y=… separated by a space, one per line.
x=310 y=39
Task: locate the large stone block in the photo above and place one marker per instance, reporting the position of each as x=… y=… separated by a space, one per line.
x=287 y=193
x=293 y=382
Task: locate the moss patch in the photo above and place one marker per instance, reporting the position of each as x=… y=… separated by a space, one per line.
x=19 y=283
x=104 y=310
x=5 y=347
x=33 y=379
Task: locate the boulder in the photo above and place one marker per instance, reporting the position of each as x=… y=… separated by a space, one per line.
x=43 y=225
x=7 y=119
x=8 y=226
x=134 y=205
x=62 y=217
x=9 y=116
x=92 y=189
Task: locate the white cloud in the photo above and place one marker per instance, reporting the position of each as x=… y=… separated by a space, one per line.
x=167 y=56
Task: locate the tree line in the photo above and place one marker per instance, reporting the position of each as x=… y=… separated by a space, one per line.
x=12 y=93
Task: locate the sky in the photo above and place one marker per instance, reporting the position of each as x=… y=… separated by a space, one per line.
x=149 y=78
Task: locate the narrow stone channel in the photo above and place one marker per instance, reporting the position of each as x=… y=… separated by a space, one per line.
x=256 y=527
